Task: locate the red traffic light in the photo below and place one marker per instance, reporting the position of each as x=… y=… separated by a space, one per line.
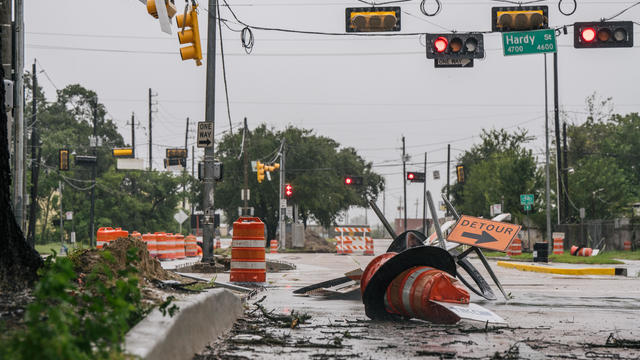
x=288 y=190
x=348 y=181
x=411 y=176
x=588 y=34
x=441 y=44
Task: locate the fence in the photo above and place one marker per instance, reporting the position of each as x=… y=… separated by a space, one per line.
x=596 y=233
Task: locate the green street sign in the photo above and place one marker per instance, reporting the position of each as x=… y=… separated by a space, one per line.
x=527 y=207
x=526 y=199
x=529 y=42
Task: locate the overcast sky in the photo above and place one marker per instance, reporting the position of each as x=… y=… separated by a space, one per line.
x=365 y=92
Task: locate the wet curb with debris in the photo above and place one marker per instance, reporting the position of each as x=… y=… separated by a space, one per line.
x=199 y=320
x=565 y=271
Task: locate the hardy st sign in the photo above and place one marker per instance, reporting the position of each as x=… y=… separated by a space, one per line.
x=529 y=42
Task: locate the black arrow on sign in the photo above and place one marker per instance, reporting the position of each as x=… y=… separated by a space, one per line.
x=205 y=142
x=485 y=237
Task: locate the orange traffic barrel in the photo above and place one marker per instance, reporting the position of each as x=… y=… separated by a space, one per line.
x=103 y=236
x=581 y=251
x=162 y=245
x=190 y=246
x=247 y=251
x=179 y=243
x=411 y=294
x=515 y=248
x=627 y=246
x=368 y=245
x=558 y=246
x=274 y=246
x=171 y=243
x=150 y=241
x=136 y=235
x=216 y=243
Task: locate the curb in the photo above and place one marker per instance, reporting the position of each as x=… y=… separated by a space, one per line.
x=564 y=271
x=199 y=321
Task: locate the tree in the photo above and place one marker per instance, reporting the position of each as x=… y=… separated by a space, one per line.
x=315 y=167
x=19 y=262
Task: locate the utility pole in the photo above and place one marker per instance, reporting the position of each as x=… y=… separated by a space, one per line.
x=35 y=160
x=61 y=224
x=150 y=130
x=404 y=182
x=565 y=174
x=133 y=134
x=424 y=197
x=208 y=190
x=6 y=50
x=448 y=176
x=19 y=188
x=193 y=167
x=546 y=139
x=556 y=113
x=245 y=136
x=92 y=229
x=184 y=172
x=283 y=202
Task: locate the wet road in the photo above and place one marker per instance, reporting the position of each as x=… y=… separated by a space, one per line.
x=549 y=317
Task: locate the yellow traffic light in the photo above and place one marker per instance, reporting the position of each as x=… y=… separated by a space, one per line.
x=261 y=168
x=519 y=18
x=153 y=11
x=460 y=173
x=190 y=33
x=276 y=165
x=376 y=19
x=63 y=160
x=123 y=152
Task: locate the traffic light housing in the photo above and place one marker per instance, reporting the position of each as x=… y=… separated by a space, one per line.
x=455 y=46
x=288 y=190
x=122 y=152
x=353 y=180
x=153 y=11
x=369 y=19
x=519 y=18
x=190 y=34
x=63 y=160
x=460 y=173
x=602 y=34
x=260 y=167
x=180 y=153
x=85 y=160
x=175 y=162
x=416 y=177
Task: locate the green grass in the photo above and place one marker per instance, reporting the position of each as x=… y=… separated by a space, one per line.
x=44 y=249
x=608 y=257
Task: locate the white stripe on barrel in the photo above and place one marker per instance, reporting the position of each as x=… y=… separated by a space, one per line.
x=254 y=265
x=406 y=289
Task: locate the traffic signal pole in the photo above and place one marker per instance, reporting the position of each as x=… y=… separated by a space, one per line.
x=282 y=210
x=208 y=191
x=556 y=112
x=546 y=139
x=404 y=182
x=245 y=135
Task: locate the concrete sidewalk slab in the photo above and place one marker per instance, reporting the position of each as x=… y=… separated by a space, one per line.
x=199 y=320
x=564 y=270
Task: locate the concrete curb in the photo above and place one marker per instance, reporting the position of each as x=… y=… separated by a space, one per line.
x=564 y=271
x=199 y=321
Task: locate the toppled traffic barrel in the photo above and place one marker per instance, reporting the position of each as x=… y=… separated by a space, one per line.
x=581 y=251
x=406 y=284
x=248 y=251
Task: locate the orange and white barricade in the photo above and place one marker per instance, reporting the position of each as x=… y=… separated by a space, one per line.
x=273 y=246
x=347 y=244
x=558 y=243
x=248 y=262
x=515 y=248
x=627 y=246
x=190 y=246
x=150 y=240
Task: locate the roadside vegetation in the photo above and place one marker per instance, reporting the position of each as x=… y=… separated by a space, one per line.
x=607 y=257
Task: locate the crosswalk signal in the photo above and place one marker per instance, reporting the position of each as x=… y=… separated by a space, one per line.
x=190 y=33
x=455 y=46
x=260 y=169
x=63 y=160
x=460 y=173
x=288 y=190
x=603 y=34
x=373 y=19
x=519 y=18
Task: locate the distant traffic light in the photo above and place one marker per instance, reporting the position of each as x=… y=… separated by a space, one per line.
x=519 y=18
x=288 y=190
x=63 y=160
x=123 y=152
x=455 y=46
x=353 y=180
x=190 y=33
x=85 y=160
x=175 y=162
x=416 y=177
x=153 y=11
x=460 y=173
x=367 y=19
x=599 y=34
x=260 y=169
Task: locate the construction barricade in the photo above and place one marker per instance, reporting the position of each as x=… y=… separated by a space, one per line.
x=103 y=237
x=273 y=246
x=515 y=248
x=190 y=246
x=179 y=244
x=558 y=243
x=150 y=241
x=627 y=246
x=163 y=246
x=248 y=251
x=581 y=251
x=347 y=244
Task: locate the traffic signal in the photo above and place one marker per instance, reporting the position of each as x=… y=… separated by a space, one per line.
x=519 y=18
x=599 y=34
x=153 y=11
x=353 y=180
x=261 y=168
x=123 y=152
x=455 y=46
x=416 y=177
x=460 y=173
x=190 y=33
x=175 y=162
x=63 y=160
x=288 y=190
x=369 y=19
x=85 y=160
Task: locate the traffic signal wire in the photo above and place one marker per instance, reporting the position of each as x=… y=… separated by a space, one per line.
x=224 y=70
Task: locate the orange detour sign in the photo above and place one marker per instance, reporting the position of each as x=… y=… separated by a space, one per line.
x=483 y=233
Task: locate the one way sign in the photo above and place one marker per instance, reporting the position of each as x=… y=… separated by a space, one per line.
x=483 y=233
x=205 y=134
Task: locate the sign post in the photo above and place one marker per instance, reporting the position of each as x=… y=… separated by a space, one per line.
x=529 y=42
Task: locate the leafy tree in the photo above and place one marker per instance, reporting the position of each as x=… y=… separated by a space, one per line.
x=315 y=167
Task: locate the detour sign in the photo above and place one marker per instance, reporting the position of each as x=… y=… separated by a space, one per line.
x=483 y=233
